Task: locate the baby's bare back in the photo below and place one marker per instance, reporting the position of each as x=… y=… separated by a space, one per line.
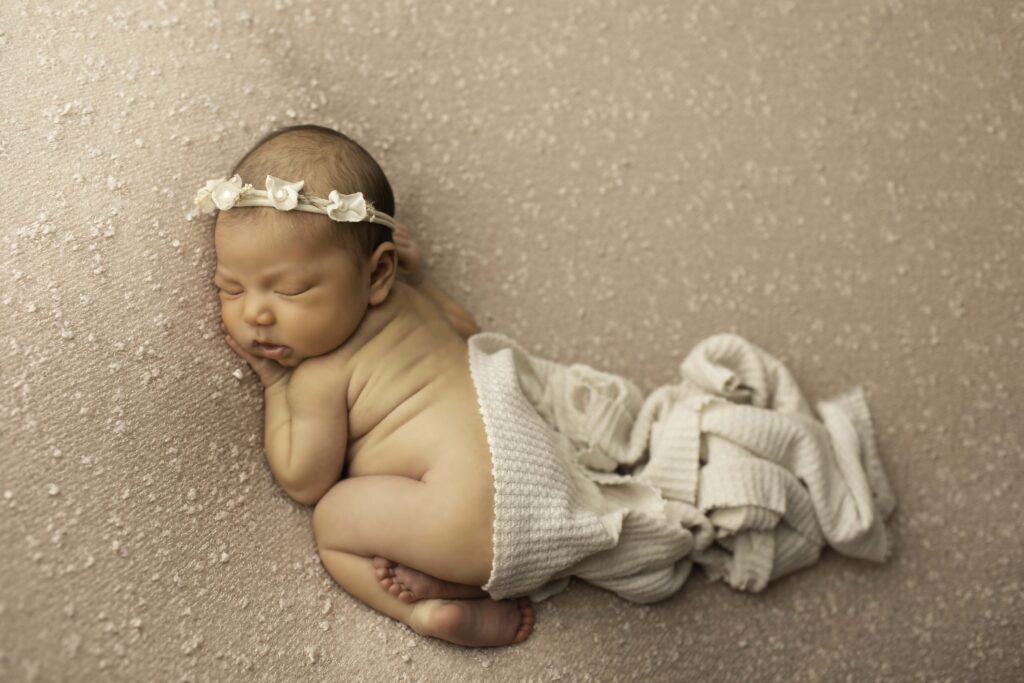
x=412 y=406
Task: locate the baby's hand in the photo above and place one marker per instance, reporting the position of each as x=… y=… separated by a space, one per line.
x=269 y=371
x=410 y=258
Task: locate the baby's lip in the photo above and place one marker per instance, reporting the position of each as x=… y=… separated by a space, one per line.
x=257 y=342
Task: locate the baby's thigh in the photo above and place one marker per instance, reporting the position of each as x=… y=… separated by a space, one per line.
x=419 y=524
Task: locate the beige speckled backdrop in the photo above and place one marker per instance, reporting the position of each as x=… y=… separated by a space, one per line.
x=841 y=183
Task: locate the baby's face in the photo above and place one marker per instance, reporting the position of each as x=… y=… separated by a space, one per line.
x=307 y=298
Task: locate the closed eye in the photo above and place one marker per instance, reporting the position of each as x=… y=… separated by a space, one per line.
x=226 y=292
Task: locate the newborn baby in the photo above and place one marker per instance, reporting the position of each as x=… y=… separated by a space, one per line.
x=443 y=460
x=371 y=413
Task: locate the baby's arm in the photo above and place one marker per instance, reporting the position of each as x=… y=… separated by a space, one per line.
x=307 y=431
x=307 y=460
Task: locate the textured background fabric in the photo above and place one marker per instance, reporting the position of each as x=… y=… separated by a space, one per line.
x=605 y=182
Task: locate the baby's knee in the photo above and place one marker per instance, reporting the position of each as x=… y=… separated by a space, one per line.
x=325 y=518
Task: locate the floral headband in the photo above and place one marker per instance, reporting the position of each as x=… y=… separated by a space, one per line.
x=282 y=195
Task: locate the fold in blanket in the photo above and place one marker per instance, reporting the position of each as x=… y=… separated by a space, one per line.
x=729 y=469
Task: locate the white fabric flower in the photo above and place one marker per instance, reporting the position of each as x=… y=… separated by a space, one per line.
x=219 y=194
x=283 y=194
x=348 y=208
x=204 y=197
x=223 y=193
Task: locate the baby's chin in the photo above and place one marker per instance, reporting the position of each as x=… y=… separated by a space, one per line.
x=290 y=361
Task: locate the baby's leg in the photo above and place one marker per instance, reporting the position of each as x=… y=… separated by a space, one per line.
x=416 y=524
x=476 y=623
x=410 y=585
x=411 y=522
x=355 y=575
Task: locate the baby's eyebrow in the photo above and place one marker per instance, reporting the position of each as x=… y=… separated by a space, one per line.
x=272 y=275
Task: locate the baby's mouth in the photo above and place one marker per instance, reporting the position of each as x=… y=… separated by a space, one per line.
x=272 y=351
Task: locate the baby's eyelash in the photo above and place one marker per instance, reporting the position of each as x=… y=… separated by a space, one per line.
x=227 y=293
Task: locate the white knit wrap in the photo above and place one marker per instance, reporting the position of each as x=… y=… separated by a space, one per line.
x=729 y=469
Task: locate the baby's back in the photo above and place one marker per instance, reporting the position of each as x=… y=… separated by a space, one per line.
x=413 y=414
x=412 y=406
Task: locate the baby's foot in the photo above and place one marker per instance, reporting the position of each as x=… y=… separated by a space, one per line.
x=409 y=585
x=475 y=623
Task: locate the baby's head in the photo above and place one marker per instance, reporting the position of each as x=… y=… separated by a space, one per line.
x=296 y=279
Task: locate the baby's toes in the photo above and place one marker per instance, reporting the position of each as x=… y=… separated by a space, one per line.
x=382 y=563
x=526 y=609
x=400 y=592
x=383 y=568
x=527 y=618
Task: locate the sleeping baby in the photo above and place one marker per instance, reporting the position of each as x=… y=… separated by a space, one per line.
x=370 y=411
x=456 y=478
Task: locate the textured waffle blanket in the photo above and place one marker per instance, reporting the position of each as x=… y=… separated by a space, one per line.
x=729 y=469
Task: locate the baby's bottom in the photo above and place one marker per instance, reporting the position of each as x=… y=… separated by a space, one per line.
x=415 y=524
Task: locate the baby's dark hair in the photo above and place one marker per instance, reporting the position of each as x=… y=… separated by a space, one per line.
x=326 y=160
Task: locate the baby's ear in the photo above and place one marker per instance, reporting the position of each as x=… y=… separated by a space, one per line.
x=383 y=269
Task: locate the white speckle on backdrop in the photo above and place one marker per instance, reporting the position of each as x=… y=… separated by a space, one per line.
x=606 y=182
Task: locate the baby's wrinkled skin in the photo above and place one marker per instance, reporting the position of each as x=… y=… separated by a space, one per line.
x=370 y=384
